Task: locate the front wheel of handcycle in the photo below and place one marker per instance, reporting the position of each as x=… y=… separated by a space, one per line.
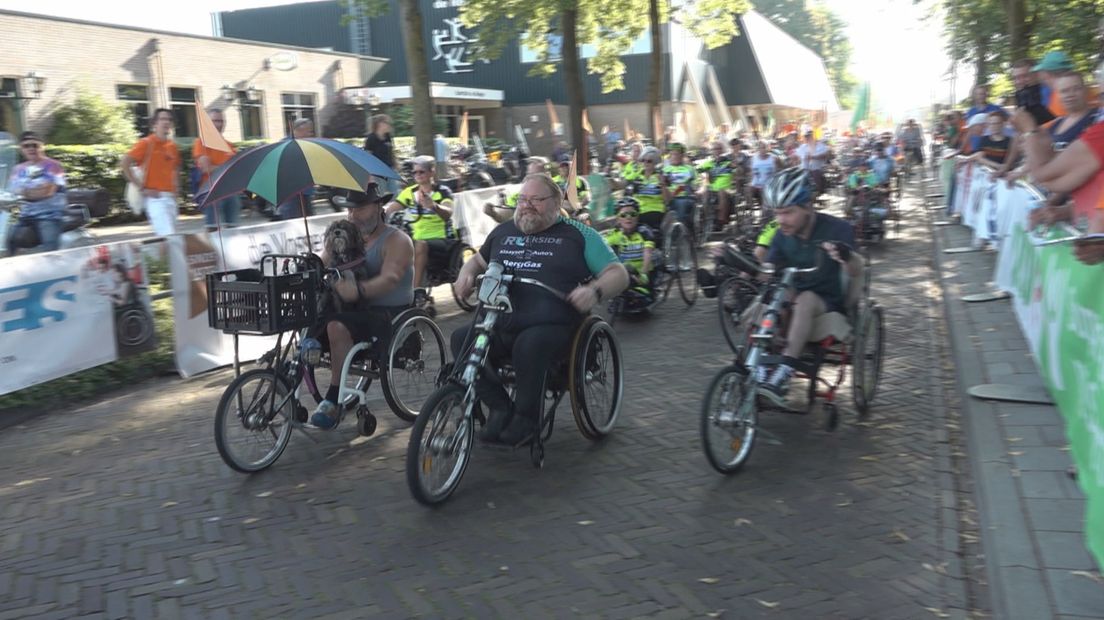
x=729 y=420
x=595 y=378
x=684 y=263
x=253 y=420
x=414 y=358
x=866 y=361
x=440 y=446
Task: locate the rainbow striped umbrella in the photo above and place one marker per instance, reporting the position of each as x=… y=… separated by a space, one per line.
x=284 y=169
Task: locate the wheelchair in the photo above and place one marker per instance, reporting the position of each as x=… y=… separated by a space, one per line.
x=729 y=421
x=439 y=272
x=869 y=213
x=261 y=407
x=592 y=377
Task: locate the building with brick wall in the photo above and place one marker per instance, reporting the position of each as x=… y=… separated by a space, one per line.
x=260 y=86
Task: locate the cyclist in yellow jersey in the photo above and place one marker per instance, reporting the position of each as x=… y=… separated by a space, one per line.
x=581 y=187
x=763 y=241
x=427 y=211
x=632 y=169
x=650 y=189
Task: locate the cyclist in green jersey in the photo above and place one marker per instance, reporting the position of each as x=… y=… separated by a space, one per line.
x=680 y=181
x=649 y=189
x=427 y=211
x=632 y=168
x=581 y=187
x=719 y=170
x=633 y=245
x=763 y=241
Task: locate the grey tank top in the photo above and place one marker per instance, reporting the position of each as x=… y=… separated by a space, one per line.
x=401 y=295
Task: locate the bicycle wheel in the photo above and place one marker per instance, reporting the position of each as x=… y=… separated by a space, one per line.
x=866 y=362
x=416 y=355
x=440 y=446
x=703 y=222
x=729 y=420
x=467 y=304
x=595 y=378
x=734 y=295
x=685 y=259
x=253 y=420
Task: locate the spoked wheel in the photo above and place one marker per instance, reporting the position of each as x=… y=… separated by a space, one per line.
x=440 y=446
x=595 y=378
x=253 y=420
x=866 y=363
x=684 y=263
x=734 y=295
x=414 y=359
x=467 y=304
x=703 y=222
x=729 y=420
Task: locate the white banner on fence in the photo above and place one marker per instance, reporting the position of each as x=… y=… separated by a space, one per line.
x=200 y=348
x=469 y=216
x=66 y=311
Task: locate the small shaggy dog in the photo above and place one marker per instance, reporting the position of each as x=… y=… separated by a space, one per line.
x=345 y=248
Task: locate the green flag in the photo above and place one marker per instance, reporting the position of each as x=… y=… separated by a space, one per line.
x=862 y=107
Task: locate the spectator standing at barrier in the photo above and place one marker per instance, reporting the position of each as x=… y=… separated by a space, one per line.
x=379 y=143
x=1053 y=65
x=227 y=211
x=1080 y=114
x=994 y=146
x=40 y=184
x=301 y=205
x=160 y=163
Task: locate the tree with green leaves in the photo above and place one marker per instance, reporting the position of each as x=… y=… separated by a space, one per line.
x=417 y=64
x=91 y=119
x=815 y=26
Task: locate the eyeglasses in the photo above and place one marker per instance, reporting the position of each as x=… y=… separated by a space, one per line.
x=532 y=201
x=628 y=215
x=29 y=145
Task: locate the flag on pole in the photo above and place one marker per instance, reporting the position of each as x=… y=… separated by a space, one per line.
x=464 y=129
x=572 y=190
x=628 y=130
x=862 y=107
x=586 y=123
x=553 y=120
x=209 y=136
x=657 y=126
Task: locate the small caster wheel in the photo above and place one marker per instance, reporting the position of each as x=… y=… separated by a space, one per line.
x=431 y=309
x=300 y=414
x=366 y=423
x=536 y=454
x=833 y=416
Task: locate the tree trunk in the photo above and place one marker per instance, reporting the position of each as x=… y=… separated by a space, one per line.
x=1017 y=28
x=573 y=80
x=656 y=78
x=981 y=61
x=417 y=70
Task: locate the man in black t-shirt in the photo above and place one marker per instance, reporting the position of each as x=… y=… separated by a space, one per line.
x=563 y=254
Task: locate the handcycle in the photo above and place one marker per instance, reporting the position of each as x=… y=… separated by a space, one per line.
x=441 y=440
x=868 y=213
x=261 y=407
x=737 y=288
x=438 y=273
x=729 y=422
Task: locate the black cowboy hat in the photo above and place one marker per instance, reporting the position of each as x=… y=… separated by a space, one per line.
x=371 y=195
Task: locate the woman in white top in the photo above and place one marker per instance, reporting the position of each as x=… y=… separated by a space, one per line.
x=763 y=165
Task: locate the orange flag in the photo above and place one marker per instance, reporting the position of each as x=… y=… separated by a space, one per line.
x=208 y=135
x=586 y=123
x=628 y=130
x=553 y=120
x=572 y=190
x=464 y=129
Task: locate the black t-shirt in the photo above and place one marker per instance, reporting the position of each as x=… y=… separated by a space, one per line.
x=1063 y=139
x=995 y=150
x=563 y=256
x=381 y=148
x=793 y=251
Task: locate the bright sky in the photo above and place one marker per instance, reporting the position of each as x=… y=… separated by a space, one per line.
x=899 y=52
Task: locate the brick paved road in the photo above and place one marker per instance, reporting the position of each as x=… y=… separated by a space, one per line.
x=122 y=508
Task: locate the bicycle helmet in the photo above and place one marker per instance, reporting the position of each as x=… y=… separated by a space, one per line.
x=676 y=146
x=627 y=201
x=651 y=152
x=791 y=186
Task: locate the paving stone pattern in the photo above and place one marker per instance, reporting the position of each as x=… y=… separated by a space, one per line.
x=122 y=507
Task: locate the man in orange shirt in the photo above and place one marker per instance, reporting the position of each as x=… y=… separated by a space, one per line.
x=159 y=160
x=1050 y=68
x=225 y=212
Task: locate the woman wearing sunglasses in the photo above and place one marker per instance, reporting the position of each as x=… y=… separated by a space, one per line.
x=633 y=245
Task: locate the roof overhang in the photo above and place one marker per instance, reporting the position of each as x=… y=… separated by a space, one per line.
x=794 y=75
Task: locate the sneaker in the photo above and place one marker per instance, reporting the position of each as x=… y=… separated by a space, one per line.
x=326 y=415
x=761 y=375
x=776 y=388
x=520 y=429
x=496 y=423
x=420 y=297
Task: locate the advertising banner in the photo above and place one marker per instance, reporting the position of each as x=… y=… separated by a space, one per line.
x=66 y=311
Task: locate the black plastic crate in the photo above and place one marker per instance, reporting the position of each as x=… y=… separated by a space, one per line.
x=246 y=302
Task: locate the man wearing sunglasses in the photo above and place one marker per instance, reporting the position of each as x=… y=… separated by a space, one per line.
x=427 y=211
x=40 y=184
x=633 y=245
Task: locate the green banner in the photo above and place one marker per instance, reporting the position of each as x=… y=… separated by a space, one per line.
x=601 y=197
x=1059 y=304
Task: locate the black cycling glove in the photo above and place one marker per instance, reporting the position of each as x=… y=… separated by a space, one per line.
x=844 y=251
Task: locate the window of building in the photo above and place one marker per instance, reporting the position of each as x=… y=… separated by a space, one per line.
x=252 y=111
x=11 y=120
x=136 y=98
x=182 y=102
x=297 y=106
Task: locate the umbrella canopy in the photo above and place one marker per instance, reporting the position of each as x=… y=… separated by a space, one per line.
x=284 y=169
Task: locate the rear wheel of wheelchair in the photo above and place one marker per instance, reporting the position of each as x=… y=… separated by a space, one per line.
x=734 y=296
x=866 y=360
x=595 y=378
x=413 y=362
x=253 y=420
x=467 y=304
x=729 y=419
x=440 y=446
x=685 y=259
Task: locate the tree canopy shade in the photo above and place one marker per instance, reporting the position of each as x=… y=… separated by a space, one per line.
x=815 y=26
